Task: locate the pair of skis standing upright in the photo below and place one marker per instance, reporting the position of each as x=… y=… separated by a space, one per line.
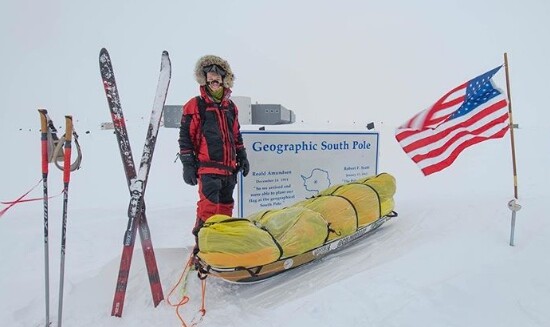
x=137 y=180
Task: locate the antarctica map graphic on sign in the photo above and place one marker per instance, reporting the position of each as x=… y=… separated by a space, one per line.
x=317 y=181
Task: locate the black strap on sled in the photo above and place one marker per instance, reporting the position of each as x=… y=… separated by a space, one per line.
x=350 y=203
x=252 y=271
x=372 y=188
x=279 y=247
x=272 y=237
x=206 y=224
x=377 y=196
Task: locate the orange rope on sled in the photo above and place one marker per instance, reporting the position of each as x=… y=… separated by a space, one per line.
x=185 y=299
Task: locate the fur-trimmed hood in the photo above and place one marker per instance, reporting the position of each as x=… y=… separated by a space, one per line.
x=213 y=60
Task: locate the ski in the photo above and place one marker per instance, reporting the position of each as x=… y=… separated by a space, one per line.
x=136 y=180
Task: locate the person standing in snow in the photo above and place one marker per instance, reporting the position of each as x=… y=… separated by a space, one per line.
x=210 y=141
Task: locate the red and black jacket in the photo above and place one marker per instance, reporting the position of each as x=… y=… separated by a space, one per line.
x=211 y=131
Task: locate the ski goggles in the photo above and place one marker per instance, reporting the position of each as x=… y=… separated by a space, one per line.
x=214 y=69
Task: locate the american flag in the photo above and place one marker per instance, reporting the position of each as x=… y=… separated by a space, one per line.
x=468 y=114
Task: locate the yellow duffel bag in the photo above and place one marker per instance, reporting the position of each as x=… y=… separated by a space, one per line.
x=362 y=197
x=296 y=230
x=227 y=242
x=337 y=211
x=384 y=184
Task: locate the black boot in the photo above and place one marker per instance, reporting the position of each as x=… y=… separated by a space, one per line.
x=198 y=225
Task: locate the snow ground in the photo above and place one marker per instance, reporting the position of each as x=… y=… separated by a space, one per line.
x=445 y=261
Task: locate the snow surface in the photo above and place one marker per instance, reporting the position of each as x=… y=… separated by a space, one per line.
x=445 y=261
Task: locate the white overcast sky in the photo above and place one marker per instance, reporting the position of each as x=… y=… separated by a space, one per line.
x=338 y=61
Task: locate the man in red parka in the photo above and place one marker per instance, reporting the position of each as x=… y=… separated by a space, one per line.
x=210 y=141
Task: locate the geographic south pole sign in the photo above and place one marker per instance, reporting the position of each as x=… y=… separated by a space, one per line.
x=289 y=166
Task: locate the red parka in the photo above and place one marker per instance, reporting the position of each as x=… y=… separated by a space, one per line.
x=213 y=136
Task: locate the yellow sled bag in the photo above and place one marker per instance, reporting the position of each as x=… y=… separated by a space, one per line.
x=235 y=242
x=295 y=229
x=267 y=236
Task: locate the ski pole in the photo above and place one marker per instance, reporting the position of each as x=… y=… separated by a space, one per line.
x=44 y=142
x=66 y=179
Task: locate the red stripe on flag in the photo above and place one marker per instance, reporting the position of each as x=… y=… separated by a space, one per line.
x=440 y=105
x=436 y=152
x=450 y=159
x=405 y=134
x=442 y=134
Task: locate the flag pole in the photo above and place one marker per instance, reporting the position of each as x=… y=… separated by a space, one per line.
x=513 y=204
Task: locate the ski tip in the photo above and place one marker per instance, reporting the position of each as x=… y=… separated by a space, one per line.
x=103 y=53
x=166 y=62
x=104 y=56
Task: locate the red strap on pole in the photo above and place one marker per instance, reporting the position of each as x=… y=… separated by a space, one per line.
x=18 y=200
x=31 y=199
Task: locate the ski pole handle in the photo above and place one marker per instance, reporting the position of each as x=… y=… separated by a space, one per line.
x=43 y=120
x=67 y=154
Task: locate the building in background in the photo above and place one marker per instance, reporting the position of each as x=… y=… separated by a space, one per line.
x=249 y=114
x=271 y=114
x=172 y=116
x=245 y=109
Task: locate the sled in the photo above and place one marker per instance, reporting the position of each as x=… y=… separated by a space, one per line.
x=260 y=273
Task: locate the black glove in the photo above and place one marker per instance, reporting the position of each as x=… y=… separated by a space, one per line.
x=189 y=168
x=242 y=161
